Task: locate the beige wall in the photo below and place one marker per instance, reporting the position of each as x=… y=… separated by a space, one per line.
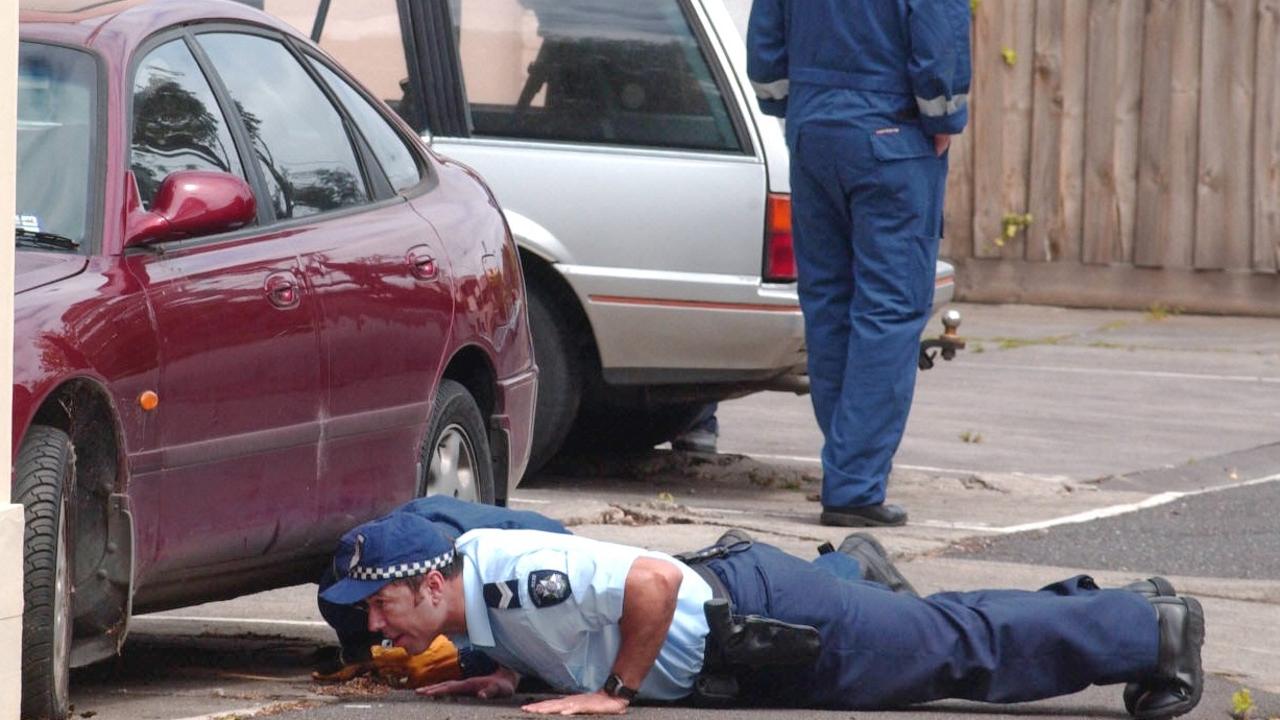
x=10 y=515
x=364 y=37
x=497 y=65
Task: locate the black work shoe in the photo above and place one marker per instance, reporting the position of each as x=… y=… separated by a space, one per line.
x=883 y=515
x=1178 y=682
x=1152 y=587
x=734 y=536
x=876 y=563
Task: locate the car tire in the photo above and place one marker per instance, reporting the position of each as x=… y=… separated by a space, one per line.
x=455 y=459
x=631 y=426
x=559 y=379
x=44 y=476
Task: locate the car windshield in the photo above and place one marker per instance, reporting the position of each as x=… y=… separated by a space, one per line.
x=56 y=137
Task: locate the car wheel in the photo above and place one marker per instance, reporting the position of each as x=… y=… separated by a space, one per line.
x=559 y=373
x=43 y=481
x=624 y=427
x=455 y=458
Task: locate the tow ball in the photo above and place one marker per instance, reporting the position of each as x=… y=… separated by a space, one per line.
x=945 y=344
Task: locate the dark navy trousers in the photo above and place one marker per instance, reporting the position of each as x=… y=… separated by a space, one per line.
x=883 y=650
x=867 y=191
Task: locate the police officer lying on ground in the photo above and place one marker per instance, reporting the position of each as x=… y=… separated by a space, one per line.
x=746 y=623
x=360 y=651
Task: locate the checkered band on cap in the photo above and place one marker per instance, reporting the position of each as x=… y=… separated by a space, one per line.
x=402 y=570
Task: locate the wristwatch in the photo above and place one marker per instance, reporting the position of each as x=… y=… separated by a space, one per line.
x=614 y=687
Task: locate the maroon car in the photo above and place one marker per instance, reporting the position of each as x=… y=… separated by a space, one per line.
x=252 y=311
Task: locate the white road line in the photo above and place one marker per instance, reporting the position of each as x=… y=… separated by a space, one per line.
x=1153 y=501
x=531 y=501
x=230 y=620
x=782 y=458
x=250 y=712
x=944 y=525
x=1163 y=374
x=1096 y=514
x=918 y=468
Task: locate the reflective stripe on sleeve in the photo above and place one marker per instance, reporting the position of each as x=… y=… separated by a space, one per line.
x=941 y=105
x=776 y=90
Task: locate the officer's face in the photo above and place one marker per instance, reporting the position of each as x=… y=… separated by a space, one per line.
x=409 y=618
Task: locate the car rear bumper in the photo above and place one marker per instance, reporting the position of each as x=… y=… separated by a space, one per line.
x=664 y=328
x=740 y=334
x=511 y=433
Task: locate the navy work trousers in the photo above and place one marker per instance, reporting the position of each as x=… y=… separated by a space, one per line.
x=867 y=213
x=883 y=650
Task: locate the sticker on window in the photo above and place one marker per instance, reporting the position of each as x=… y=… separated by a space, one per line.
x=27 y=223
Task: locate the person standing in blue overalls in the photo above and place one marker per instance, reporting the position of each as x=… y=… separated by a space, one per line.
x=872 y=93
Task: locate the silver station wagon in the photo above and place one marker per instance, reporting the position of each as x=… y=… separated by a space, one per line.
x=648 y=195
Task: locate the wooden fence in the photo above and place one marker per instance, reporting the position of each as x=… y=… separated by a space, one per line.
x=1121 y=153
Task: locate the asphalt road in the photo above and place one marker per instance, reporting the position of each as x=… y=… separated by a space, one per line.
x=1231 y=533
x=1017 y=458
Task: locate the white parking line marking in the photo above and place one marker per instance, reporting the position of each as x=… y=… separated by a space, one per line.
x=944 y=525
x=271 y=709
x=1162 y=374
x=1087 y=516
x=230 y=620
x=782 y=458
x=1153 y=501
x=918 y=468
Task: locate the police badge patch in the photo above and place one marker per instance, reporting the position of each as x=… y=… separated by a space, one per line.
x=548 y=587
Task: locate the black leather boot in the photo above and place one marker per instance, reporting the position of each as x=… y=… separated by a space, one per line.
x=1152 y=587
x=1149 y=588
x=1175 y=687
x=884 y=515
x=876 y=564
x=735 y=536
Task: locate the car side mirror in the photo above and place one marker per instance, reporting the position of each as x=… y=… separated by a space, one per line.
x=190 y=203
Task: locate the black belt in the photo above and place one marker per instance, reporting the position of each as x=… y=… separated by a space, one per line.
x=718 y=589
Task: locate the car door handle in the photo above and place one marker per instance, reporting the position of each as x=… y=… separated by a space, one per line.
x=421 y=263
x=283 y=291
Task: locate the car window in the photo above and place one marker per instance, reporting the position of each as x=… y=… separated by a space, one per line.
x=598 y=71
x=57 y=122
x=177 y=124
x=393 y=155
x=299 y=139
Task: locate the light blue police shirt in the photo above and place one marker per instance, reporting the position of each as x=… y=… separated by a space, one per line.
x=548 y=605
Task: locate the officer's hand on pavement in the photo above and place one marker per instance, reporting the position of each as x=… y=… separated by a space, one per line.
x=941 y=143
x=596 y=703
x=498 y=685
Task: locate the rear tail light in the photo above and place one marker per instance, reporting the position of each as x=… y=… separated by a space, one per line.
x=779 y=252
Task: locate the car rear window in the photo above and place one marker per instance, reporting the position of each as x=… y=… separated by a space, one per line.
x=596 y=71
x=57 y=138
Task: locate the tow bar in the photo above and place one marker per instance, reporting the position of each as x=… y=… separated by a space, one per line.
x=945 y=344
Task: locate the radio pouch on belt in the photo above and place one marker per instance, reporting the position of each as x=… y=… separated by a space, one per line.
x=752 y=642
